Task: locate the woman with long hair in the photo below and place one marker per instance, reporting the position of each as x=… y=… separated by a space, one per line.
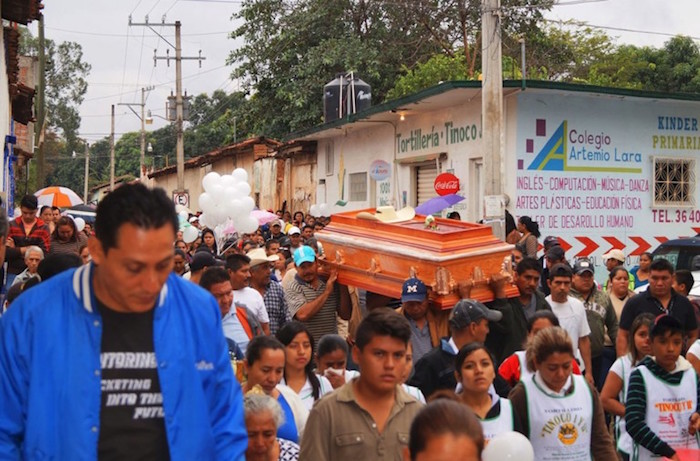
x=209 y=240
x=530 y=232
x=299 y=369
x=65 y=238
x=614 y=393
x=642 y=271
x=618 y=286
x=475 y=370
x=561 y=413
x=264 y=366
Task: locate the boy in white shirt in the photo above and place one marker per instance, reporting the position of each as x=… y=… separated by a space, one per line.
x=571 y=315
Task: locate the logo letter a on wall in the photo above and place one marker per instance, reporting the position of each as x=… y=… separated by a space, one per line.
x=552 y=157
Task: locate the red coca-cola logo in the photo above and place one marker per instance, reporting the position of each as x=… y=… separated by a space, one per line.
x=446 y=184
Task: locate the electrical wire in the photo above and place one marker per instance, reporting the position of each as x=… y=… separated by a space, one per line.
x=158 y=84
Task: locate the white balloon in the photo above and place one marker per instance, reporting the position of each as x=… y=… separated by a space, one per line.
x=217 y=193
x=243 y=189
x=324 y=210
x=236 y=208
x=204 y=220
x=190 y=234
x=79 y=224
x=206 y=202
x=230 y=192
x=210 y=179
x=313 y=211
x=184 y=215
x=228 y=181
x=248 y=225
x=508 y=446
x=247 y=205
x=240 y=175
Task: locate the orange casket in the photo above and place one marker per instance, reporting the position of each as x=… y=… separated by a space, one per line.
x=379 y=256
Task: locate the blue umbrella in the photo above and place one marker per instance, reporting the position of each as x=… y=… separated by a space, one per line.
x=437 y=204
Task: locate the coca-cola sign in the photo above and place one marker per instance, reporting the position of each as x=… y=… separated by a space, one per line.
x=446 y=184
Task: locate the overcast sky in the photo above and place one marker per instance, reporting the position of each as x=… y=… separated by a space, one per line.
x=122 y=56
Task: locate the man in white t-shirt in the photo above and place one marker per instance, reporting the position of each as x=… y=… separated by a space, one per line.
x=238 y=267
x=571 y=314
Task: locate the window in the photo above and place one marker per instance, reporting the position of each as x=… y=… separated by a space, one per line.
x=329 y=159
x=358 y=187
x=674 y=182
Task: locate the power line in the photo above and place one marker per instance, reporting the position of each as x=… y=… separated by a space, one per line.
x=157 y=84
x=620 y=29
x=101 y=34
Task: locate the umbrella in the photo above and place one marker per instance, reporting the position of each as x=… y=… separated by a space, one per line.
x=437 y=204
x=59 y=196
x=263 y=216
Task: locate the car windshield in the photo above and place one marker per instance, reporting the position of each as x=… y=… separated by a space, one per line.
x=682 y=257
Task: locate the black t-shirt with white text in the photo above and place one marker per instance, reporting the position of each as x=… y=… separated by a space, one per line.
x=131 y=414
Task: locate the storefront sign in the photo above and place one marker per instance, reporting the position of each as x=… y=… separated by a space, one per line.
x=446 y=184
x=379 y=170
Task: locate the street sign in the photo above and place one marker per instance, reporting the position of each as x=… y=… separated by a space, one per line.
x=181 y=198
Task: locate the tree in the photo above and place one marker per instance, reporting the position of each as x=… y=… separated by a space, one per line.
x=66 y=85
x=292 y=48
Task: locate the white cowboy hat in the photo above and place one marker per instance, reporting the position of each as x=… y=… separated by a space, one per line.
x=387 y=214
x=258 y=256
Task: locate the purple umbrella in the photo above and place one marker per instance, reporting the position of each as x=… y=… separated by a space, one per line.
x=437 y=204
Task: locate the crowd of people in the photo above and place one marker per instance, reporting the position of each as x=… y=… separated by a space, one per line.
x=248 y=348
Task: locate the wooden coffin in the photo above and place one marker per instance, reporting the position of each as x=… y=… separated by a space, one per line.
x=379 y=256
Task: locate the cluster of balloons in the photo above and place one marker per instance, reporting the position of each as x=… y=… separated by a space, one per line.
x=319 y=210
x=227 y=198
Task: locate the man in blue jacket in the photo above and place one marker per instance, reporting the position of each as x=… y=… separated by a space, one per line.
x=119 y=359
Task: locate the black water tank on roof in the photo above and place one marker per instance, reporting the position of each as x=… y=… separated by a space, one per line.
x=344 y=95
x=331 y=99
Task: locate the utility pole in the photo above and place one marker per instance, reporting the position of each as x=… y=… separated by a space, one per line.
x=143 y=119
x=492 y=115
x=180 y=149
x=111 y=154
x=40 y=105
x=87 y=172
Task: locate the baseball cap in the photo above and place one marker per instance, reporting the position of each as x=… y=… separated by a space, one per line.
x=413 y=290
x=276 y=222
x=468 y=311
x=617 y=255
x=304 y=254
x=550 y=241
x=203 y=259
x=293 y=230
x=258 y=256
x=193 y=219
x=583 y=265
x=555 y=253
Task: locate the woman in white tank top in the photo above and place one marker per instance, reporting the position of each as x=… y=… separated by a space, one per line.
x=475 y=371
x=561 y=412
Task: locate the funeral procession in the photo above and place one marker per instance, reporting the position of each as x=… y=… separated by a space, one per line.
x=350 y=230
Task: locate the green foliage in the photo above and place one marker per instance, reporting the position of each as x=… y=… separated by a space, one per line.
x=439 y=68
x=292 y=48
x=66 y=84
